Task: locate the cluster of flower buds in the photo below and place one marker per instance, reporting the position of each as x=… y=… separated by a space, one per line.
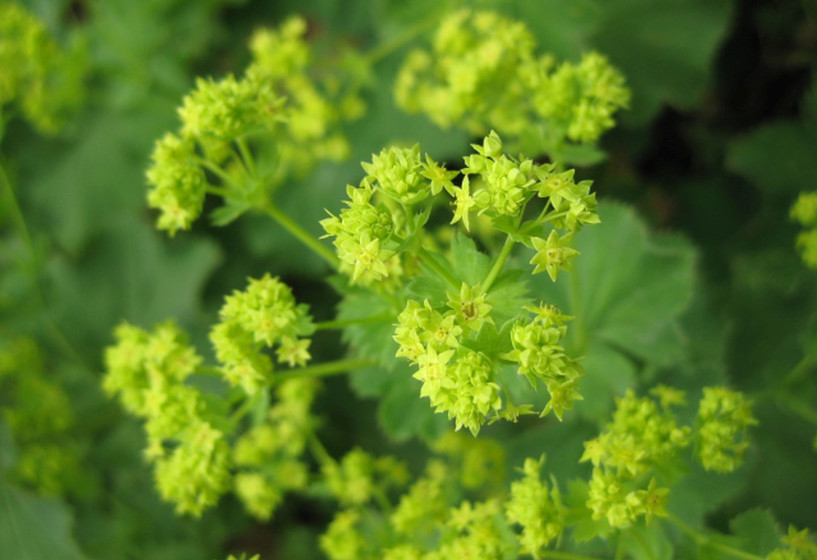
x=265 y=315
x=275 y=107
x=483 y=73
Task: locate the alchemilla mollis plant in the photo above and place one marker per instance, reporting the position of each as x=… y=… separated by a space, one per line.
x=528 y=350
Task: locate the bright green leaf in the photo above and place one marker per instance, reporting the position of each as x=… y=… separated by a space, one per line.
x=757 y=530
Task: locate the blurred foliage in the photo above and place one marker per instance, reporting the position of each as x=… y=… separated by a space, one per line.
x=696 y=281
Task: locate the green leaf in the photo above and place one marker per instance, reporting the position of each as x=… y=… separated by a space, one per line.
x=508 y=295
x=757 y=530
x=469 y=264
x=608 y=374
x=403 y=414
x=627 y=292
x=777 y=157
x=652 y=44
x=34 y=528
x=401 y=411
x=701 y=492
x=491 y=341
x=370 y=339
x=428 y=287
x=154 y=279
x=647 y=542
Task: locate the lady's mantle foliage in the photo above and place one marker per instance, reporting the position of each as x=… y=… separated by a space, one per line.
x=452 y=298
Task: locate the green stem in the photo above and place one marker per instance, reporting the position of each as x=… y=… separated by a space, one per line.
x=318 y=451
x=218 y=191
x=802 y=368
x=426 y=257
x=800 y=408
x=246 y=156
x=218 y=172
x=504 y=253
x=304 y=236
x=553 y=215
x=341 y=323
x=246 y=406
x=325 y=369
x=702 y=539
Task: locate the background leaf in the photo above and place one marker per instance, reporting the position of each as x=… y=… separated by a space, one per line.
x=34 y=528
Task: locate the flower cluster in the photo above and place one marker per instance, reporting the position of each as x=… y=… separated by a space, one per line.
x=474 y=531
x=433 y=521
x=362 y=235
x=376 y=234
x=455 y=378
x=539 y=356
x=483 y=73
x=147 y=370
x=269 y=454
x=189 y=433
x=380 y=213
x=797 y=545
x=424 y=505
x=359 y=477
x=642 y=435
x=723 y=418
x=262 y=316
x=274 y=107
x=537 y=508
x=45 y=81
x=178 y=182
x=804 y=212
x=504 y=185
x=380 y=241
